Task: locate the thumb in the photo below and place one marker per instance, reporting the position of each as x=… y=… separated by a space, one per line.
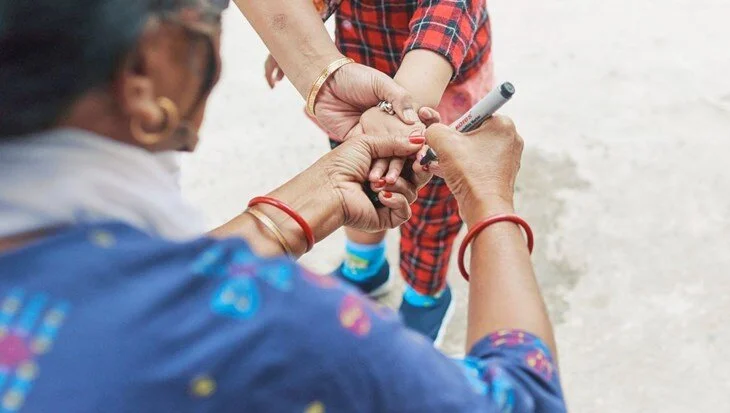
x=385 y=88
x=438 y=135
x=392 y=146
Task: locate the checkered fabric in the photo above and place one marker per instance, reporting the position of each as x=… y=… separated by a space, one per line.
x=427 y=238
x=378 y=33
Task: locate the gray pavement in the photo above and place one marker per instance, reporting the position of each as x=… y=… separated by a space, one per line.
x=625 y=109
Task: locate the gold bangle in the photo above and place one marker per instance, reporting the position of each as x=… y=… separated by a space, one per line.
x=268 y=223
x=317 y=85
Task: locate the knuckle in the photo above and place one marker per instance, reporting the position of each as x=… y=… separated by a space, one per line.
x=504 y=123
x=520 y=141
x=416 y=129
x=438 y=130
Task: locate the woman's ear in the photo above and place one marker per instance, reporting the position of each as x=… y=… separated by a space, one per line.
x=136 y=89
x=137 y=97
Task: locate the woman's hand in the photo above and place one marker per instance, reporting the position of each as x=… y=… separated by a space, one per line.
x=352 y=90
x=348 y=168
x=375 y=122
x=329 y=194
x=479 y=167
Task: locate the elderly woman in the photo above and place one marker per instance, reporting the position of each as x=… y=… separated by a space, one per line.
x=113 y=298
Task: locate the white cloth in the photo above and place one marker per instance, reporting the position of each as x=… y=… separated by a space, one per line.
x=69 y=176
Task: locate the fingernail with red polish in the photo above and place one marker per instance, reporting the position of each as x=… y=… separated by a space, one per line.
x=387 y=194
x=380 y=182
x=418 y=140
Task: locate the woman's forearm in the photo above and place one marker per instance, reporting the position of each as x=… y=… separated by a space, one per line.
x=425 y=74
x=295 y=36
x=310 y=196
x=503 y=291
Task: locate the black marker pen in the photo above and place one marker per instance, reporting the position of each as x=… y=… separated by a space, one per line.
x=483 y=110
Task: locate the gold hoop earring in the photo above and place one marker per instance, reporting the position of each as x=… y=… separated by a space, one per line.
x=172 y=119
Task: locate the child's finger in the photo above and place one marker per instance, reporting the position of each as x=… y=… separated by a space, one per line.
x=421 y=153
x=273 y=71
x=397 y=209
x=394 y=170
x=279 y=73
x=405 y=187
x=268 y=72
x=378 y=170
x=422 y=173
x=433 y=168
x=429 y=116
x=417 y=166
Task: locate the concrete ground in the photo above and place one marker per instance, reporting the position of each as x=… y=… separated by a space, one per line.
x=625 y=108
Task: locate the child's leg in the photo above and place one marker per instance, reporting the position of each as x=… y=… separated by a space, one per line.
x=427 y=239
x=425 y=248
x=362 y=237
x=365 y=256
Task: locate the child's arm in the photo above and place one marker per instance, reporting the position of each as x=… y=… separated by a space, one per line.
x=426 y=75
x=441 y=33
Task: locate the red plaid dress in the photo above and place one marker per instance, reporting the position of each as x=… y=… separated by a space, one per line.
x=378 y=33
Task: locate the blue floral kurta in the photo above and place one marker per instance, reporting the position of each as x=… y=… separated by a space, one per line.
x=104 y=318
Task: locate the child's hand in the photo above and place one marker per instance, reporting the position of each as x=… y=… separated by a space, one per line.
x=375 y=122
x=272 y=71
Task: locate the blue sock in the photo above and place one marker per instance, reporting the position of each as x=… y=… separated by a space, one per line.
x=417 y=299
x=363 y=260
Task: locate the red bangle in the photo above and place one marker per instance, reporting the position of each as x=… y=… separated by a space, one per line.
x=484 y=224
x=308 y=233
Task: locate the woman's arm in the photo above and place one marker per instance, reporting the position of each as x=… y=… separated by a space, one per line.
x=480 y=169
x=503 y=291
x=329 y=195
x=318 y=204
x=510 y=370
x=295 y=36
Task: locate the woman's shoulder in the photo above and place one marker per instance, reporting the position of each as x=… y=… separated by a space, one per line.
x=218 y=281
x=176 y=310
x=117 y=244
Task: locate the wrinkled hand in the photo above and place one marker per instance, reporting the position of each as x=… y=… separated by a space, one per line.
x=352 y=90
x=348 y=167
x=480 y=167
